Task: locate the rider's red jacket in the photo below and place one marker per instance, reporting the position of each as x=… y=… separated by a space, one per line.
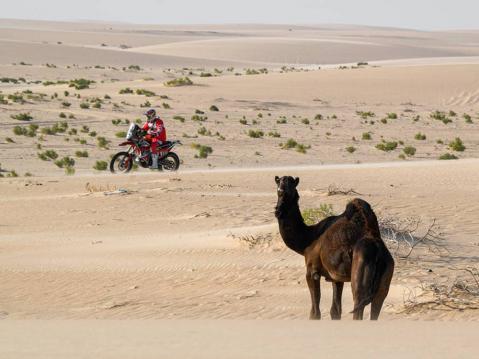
x=156 y=129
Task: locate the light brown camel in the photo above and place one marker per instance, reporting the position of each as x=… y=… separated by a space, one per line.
x=343 y=248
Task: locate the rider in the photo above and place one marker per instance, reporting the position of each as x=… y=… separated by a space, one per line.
x=156 y=134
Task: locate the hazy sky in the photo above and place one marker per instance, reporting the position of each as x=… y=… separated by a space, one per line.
x=419 y=14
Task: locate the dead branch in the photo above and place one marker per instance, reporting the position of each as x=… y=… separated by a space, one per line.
x=333 y=190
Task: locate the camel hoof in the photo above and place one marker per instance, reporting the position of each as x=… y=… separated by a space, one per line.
x=315 y=317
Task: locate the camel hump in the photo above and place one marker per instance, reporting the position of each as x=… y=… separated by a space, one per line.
x=363 y=208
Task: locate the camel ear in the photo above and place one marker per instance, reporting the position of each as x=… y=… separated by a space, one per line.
x=276 y=179
x=296 y=181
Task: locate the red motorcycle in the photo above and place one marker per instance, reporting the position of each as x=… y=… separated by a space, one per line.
x=139 y=153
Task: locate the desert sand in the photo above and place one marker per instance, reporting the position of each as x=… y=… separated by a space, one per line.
x=191 y=263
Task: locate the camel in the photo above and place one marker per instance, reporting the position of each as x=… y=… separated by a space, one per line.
x=343 y=248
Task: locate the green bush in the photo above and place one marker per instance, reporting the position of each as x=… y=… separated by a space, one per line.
x=366 y=136
x=440 y=116
x=81 y=154
x=48 y=155
x=102 y=142
x=100 y=165
x=305 y=121
x=409 y=150
x=65 y=162
x=468 y=118
x=387 y=146
x=351 y=149
x=22 y=117
x=255 y=133
x=181 y=81
x=120 y=134
x=203 y=151
x=84 y=105
x=145 y=92
x=125 y=90
x=199 y=118
x=420 y=136
x=448 y=156
x=392 y=116
x=365 y=114
x=312 y=216
x=457 y=145
x=80 y=84
x=214 y=108
x=179 y=118
x=274 y=134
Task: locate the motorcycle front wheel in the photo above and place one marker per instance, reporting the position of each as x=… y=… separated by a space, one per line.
x=122 y=162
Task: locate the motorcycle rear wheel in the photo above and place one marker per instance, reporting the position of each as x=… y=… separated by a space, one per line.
x=171 y=162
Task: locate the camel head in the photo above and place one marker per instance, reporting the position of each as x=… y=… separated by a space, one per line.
x=287 y=195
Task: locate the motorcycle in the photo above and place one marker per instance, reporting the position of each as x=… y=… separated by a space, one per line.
x=139 y=153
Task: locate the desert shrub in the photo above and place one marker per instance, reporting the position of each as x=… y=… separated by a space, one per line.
x=402 y=156
x=457 y=145
x=203 y=131
x=22 y=117
x=243 y=121
x=401 y=142
x=351 y=149
x=255 y=133
x=84 y=105
x=166 y=106
x=85 y=129
x=199 y=118
x=145 y=92
x=19 y=130
x=205 y=74
x=387 y=146
x=65 y=162
x=409 y=150
x=365 y=114
x=203 y=151
x=291 y=143
x=274 y=134
x=134 y=68
x=318 y=117
x=83 y=142
x=440 y=142
x=9 y=140
x=100 y=165
x=96 y=105
x=384 y=120
x=62 y=115
x=282 y=121
x=199 y=112
x=214 y=108
x=120 y=134
x=440 y=116
x=181 y=81
x=102 y=142
x=80 y=84
x=448 y=156
x=452 y=113
x=66 y=104
x=69 y=171
x=467 y=117
x=305 y=121
x=81 y=154
x=146 y=104
x=125 y=91
x=179 y=118
x=312 y=216
x=48 y=155
x=392 y=116
x=366 y=136
x=420 y=136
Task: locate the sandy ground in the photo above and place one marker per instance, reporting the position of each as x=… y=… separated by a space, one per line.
x=190 y=263
x=236 y=339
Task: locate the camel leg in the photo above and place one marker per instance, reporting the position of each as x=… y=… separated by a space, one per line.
x=380 y=296
x=337 y=294
x=313 y=280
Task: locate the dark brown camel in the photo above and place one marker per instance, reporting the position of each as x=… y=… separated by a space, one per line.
x=343 y=248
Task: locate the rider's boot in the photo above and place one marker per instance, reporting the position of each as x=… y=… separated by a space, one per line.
x=154 y=161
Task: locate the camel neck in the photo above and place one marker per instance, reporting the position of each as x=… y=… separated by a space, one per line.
x=295 y=233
